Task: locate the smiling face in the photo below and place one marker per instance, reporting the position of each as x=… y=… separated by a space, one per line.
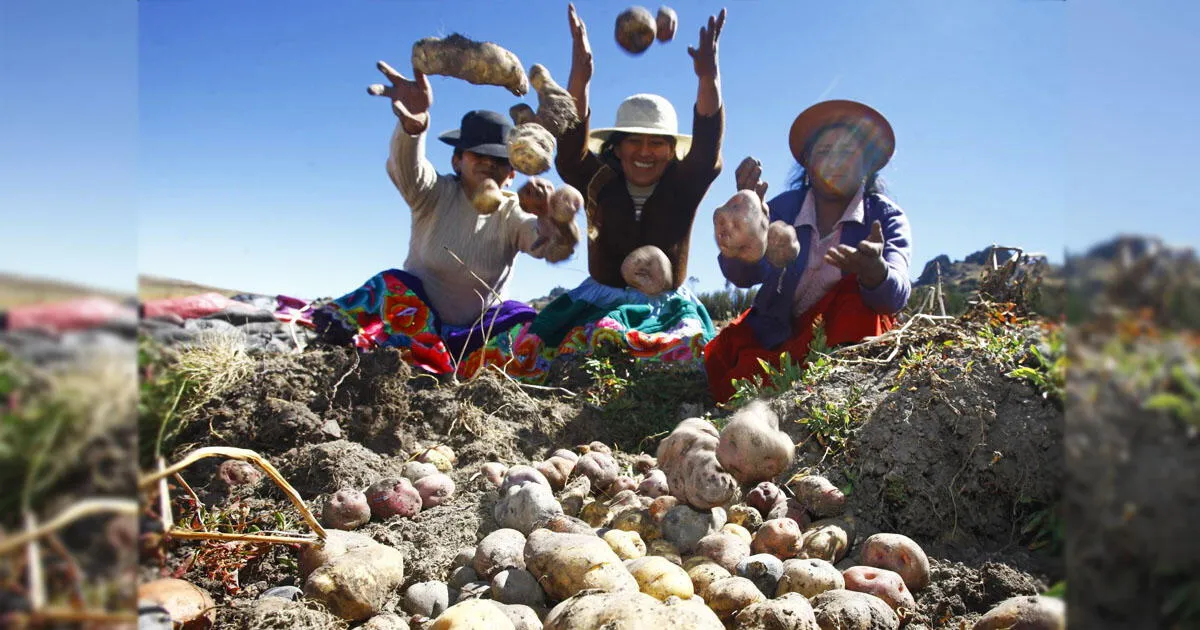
x=644 y=158
x=836 y=164
x=476 y=167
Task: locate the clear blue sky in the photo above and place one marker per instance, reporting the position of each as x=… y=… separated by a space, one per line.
x=234 y=144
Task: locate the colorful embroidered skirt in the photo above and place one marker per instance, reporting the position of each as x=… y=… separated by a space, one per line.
x=674 y=327
x=392 y=310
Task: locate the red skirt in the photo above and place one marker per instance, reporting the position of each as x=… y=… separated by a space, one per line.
x=734 y=352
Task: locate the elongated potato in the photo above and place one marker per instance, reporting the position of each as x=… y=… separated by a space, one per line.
x=556 y=107
x=660 y=578
x=479 y=63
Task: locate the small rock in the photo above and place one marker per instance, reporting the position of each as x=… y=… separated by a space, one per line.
x=283 y=592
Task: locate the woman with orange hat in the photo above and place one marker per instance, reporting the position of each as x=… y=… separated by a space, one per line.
x=854 y=242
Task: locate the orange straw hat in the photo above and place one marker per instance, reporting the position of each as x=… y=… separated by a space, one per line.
x=874 y=127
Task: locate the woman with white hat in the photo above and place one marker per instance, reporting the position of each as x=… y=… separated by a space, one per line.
x=642 y=182
x=851 y=269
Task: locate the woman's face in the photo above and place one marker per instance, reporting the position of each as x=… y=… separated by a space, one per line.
x=644 y=158
x=835 y=164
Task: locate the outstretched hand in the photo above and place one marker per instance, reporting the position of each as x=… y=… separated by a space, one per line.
x=704 y=56
x=865 y=260
x=411 y=98
x=581 y=49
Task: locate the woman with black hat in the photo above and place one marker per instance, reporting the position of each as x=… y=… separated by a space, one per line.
x=854 y=248
x=448 y=301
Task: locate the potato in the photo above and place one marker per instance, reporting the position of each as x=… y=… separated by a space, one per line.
x=393 y=497
x=684 y=526
x=783 y=247
x=819 y=495
x=740 y=227
x=565 y=564
x=626 y=544
x=521 y=113
x=520 y=475
x=637 y=520
x=517 y=586
x=746 y=516
x=599 y=468
x=780 y=537
x=826 y=541
x=623 y=483
x=523 y=617
x=574 y=495
x=739 y=531
x=534 y=197
x=660 y=578
x=565 y=524
x=726 y=550
x=596 y=445
x=728 y=596
x=556 y=470
x=654 y=484
x=665 y=24
x=493 y=472
x=621 y=611
x=441 y=456
x=473 y=614
x=479 y=63
x=487 y=197
x=705 y=573
x=189 y=605
x=852 y=610
x=566 y=202
x=531 y=148
x=566 y=453
x=790 y=612
x=644 y=463
x=429 y=599
x=764 y=497
x=648 y=270
x=664 y=549
x=499 y=550
x=899 y=553
x=355 y=586
x=635 y=30
x=809 y=577
x=884 y=584
x=235 y=472
x=347 y=509
x=556 y=107
x=688 y=457
x=462 y=576
x=661 y=505
x=434 y=490
x=526 y=507
x=751 y=446
x=764 y=570
x=1025 y=612
x=415 y=470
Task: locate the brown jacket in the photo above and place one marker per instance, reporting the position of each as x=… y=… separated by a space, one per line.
x=667 y=216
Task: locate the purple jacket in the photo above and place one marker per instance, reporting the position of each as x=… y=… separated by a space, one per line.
x=771 y=316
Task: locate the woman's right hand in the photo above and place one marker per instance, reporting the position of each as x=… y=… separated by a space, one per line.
x=749 y=177
x=581 y=50
x=411 y=98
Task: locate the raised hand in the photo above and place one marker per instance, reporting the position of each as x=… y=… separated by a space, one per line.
x=410 y=98
x=581 y=49
x=749 y=177
x=865 y=260
x=704 y=57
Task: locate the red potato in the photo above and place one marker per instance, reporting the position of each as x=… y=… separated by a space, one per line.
x=740 y=227
x=635 y=30
x=623 y=482
x=235 y=472
x=434 y=489
x=599 y=468
x=654 y=484
x=884 y=584
x=751 y=446
x=644 y=463
x=660 y=506
x=534 y=196
x=347 y=509
x=726 y=549
x=666 y=23
x=487 y=198
x=765 y=497
x=493 y=472
x=393 y=497
x=556 y=470
x=783 y=246
x=780 y=537
x=565 y=524
x=521 y=474
x=899 y=553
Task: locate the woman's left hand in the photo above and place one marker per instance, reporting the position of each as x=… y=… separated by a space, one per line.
x=865 y=261
x=704 y=58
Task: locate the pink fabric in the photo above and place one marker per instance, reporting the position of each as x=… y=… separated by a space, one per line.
x=820 y=276
x=194 y=306
x=79 y=314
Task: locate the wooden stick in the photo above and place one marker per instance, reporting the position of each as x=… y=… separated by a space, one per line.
x=184 y=534
x=245 y=455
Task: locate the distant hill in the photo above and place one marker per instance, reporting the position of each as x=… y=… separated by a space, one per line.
x=19 y=290
x=157 y=287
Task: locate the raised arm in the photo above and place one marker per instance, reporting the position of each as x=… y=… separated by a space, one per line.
x=410 y=171
x=703 y=161
x=581 y=63
x=704 y=58
x=574 y=161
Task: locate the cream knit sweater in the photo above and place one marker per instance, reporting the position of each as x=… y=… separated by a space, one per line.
x=443 y=219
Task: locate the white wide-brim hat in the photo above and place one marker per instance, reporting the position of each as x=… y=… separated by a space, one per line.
x=644 y=114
